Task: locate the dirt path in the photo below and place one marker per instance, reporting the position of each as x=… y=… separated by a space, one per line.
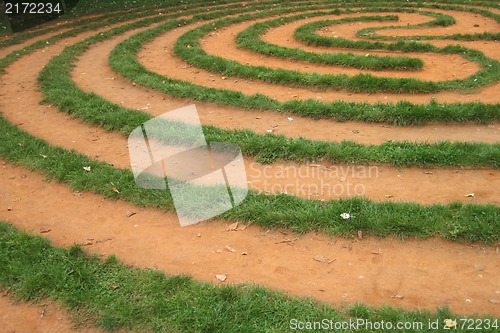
x=226 y=37
x=371 y=271
x=328 y=181
x=40 y=318
x=158 y=57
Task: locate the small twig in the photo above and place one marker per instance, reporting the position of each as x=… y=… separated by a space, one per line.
x=104 y=240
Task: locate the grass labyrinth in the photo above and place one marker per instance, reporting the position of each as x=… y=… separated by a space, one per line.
x=385 y=110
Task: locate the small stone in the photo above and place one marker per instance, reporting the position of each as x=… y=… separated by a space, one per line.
x=221 y=277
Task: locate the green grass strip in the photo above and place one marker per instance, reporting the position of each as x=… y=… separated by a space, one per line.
x=60 y=90
x=123 y=60
x=250 y=39
x=112 y=296
x=371 y=32
x=113 y=19
x=453 y=221
x=188 y=48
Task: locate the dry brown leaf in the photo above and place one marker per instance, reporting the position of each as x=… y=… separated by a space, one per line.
x=233 y=226
x=131 y=213
x=397 y=296
x=320 y=259
x=360 y=234
x=221 y=277
x=323 y=259
x=44 y=230
x=244 y=253
x=389 y=196
x=114 y=189
x=230 y=249
x=113 y=287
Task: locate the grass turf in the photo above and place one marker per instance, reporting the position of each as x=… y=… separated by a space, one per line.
x=112 y=296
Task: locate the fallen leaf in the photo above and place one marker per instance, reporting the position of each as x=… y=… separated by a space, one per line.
x=224 y=78
x=494 y=301
x=244 y=253
x=290 y=118
x=131 y=213
x=360 y=234
x=88 y=242
x=258 y=117
x=221 y=277
x=470 y=195
x=230 y=249
x=114 y=189
x=44 y=156
x=389 y=196
x=323 y=259
x=320 y=259
x=44 y=230
x=113 y=287
x=288 y=241
x=428 y=172
x=269 y=131
x=86 y=168
x=355 y=131
x=233 y=226
x=397 y=296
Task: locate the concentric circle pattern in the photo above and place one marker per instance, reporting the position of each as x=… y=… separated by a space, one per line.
x=386 y=110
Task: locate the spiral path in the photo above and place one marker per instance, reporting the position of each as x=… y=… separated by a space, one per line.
x=427 y=135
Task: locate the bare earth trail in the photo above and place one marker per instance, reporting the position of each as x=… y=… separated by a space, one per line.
x=425 y=272
x=372 y=271
x=226 y=37
x=158 y=57
x=18 y=317
x=326 y=182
